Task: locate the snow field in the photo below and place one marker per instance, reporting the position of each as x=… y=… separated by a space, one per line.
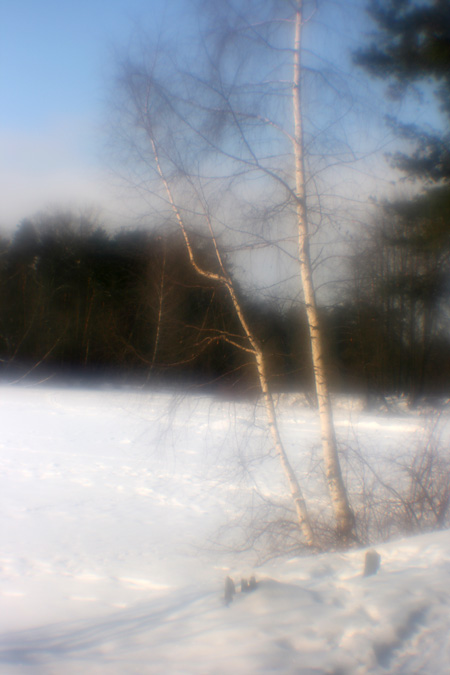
x=109 y=500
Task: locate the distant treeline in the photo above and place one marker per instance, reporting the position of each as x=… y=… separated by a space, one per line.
x=79 y=301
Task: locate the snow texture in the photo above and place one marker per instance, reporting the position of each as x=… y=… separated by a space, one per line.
x=108 y=500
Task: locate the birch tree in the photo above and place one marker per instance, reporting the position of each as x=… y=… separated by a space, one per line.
x=217 y=136
x=343 y=514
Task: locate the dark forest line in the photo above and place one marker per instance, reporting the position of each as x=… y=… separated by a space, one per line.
x=79 y=302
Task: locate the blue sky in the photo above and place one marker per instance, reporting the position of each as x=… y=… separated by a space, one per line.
x=56 y=62
x=56 y=58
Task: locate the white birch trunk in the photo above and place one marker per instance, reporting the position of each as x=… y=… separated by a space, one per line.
x=255 y=349
x=342 y=512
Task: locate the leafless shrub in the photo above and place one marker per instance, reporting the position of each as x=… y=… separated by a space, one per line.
x=408 y=495
x=267 y=528
x=397 y=492
x=428 y=490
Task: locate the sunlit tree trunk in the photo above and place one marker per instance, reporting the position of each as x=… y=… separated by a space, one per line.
x=342 y=511
x=253 y=347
